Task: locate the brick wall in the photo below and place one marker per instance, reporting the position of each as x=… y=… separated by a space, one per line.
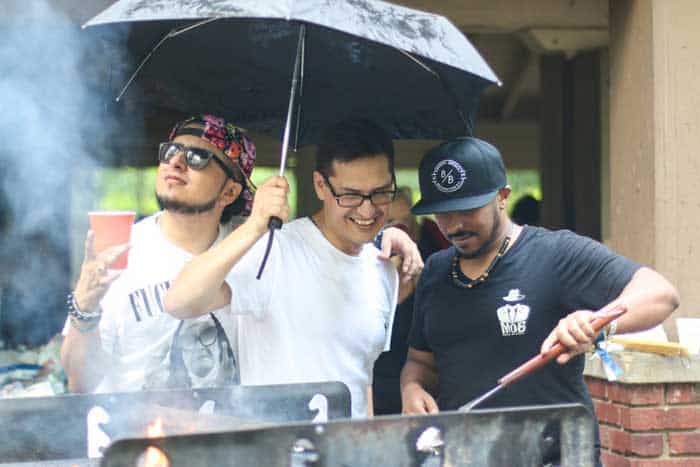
x=647 y=425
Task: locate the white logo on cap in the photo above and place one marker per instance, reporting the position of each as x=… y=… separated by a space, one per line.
x=448 y=176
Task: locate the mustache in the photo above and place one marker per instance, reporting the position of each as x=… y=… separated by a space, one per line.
x=460 y=233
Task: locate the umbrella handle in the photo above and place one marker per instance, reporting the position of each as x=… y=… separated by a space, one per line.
x=275 y=223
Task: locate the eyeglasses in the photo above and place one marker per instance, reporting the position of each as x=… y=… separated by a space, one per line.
x=353 y=200
x=196 y=158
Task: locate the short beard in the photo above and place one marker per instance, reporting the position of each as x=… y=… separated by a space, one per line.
x=493 y=236
x=180 y=207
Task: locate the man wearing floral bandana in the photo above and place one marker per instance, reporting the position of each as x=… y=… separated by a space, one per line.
x=128 y=341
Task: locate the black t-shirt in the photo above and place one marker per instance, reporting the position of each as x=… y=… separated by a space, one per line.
x=480 y=334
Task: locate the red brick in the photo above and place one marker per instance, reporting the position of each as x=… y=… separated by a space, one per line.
x=695 y=462
x=636 y=394
x=609 y=459
x=646 y=445
x=614 y=439
x=620 y=441
x=683 y=393
x=597 y=387
x=645 y=419
x=605 y=432
x=684 y=443
x=607 y=412
x=640 y=444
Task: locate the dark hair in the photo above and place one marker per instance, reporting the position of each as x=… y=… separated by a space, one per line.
x=526 y=211
x=351 y=139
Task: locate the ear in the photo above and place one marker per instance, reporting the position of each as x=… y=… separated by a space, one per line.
x=319 y=185
x=504 y=193
x=230 y=193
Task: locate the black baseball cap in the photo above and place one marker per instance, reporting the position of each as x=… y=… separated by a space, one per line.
x=461 y=174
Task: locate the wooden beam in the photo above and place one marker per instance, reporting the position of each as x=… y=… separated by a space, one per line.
x=568 y=41
x=518 y=142
x=518 y=86
x=504 y=16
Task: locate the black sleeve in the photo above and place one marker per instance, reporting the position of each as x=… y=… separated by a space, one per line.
x=590 y=275
x=416 y=338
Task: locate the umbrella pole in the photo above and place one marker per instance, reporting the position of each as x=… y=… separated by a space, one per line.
x=292 y=97
x=297 y=122
x=275 y=222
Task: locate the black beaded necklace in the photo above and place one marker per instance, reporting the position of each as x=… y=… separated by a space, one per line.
x=482 y=278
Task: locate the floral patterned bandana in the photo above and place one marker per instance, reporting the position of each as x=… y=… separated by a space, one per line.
x=233 y=142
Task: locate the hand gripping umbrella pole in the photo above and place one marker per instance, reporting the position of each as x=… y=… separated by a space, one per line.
x=602 y=318
x=275 y=223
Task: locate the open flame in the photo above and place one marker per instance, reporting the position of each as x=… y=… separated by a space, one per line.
x=154 y=457
x=155 y=429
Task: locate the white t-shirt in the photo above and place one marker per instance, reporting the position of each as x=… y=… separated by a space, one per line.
x=148 y=348
x=317 y=314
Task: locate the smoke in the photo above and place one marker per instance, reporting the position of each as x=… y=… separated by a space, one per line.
x=52 y=122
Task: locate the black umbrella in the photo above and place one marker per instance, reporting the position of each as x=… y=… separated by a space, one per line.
x=412 y=71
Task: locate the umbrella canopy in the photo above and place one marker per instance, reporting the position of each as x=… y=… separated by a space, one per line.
x=414 y=72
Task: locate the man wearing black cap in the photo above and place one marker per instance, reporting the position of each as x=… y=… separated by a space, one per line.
x=504 y=292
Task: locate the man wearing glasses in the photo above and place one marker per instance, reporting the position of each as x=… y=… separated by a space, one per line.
x=324 y=306
x=118 y=336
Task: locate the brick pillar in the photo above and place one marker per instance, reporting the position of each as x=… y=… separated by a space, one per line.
x=647 y=425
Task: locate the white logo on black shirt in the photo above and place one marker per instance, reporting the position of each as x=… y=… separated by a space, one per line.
x=513 y=316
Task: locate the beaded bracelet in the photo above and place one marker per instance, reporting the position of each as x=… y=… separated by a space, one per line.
x=74 y=310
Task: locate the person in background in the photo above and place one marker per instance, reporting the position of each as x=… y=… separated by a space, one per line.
x=526 y=211
x=324 y=306
x=387 y=369
x=505 y=292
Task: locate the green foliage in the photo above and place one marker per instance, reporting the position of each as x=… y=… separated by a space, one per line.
x=133 y=189
x=523 y=182
x=127 y=189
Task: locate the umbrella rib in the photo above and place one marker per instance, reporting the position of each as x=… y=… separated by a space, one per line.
x=448 y=90
x=173 y=33
x=177 y=32
x=421 y=64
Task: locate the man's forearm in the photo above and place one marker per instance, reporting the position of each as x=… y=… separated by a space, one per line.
x=651 y=299
x=418 y=373
x=197 y=288
x=83 y=360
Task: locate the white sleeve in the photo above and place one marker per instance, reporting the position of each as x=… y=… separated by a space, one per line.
x=392 y=289
x=248 y=294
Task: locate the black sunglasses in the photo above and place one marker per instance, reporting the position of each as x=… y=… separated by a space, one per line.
x=196 y=158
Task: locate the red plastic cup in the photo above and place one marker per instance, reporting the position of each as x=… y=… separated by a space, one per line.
x=112 y=228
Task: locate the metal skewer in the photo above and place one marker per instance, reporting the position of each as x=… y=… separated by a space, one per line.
x=601 y=319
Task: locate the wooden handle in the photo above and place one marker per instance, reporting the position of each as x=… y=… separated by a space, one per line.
x=601 y=319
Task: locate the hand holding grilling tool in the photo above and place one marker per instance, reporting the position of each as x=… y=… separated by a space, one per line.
x=601 y=318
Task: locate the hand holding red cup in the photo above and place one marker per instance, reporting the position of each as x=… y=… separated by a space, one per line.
x=112 y=228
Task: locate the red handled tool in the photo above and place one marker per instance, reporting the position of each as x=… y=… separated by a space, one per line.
x=602 y=318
